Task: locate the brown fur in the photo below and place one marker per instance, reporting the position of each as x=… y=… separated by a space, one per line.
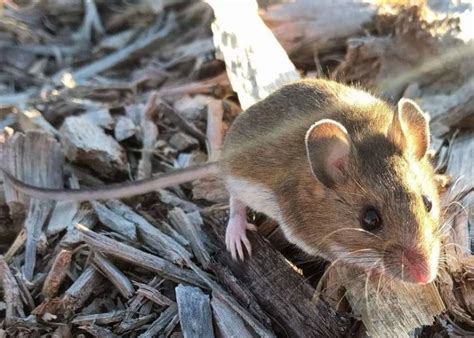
x=265 y=145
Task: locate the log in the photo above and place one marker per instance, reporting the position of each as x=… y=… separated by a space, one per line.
x=281 y=291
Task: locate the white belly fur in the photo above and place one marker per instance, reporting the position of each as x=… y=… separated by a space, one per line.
x=262 y=199
x=255 y=196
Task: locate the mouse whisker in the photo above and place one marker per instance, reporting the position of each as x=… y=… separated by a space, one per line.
x=321 y=241
x=463 y=249
x=366 y=288
x=326 y=273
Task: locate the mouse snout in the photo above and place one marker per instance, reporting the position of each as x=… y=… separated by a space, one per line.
x=416 y=266
x=412 y=265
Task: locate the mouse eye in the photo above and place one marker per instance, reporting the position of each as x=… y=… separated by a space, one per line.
x=371 y=219
x=427 y=202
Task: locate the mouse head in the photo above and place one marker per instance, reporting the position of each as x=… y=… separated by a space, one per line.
x=381 y=195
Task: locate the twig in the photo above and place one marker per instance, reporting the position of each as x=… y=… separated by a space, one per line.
x=112 y=273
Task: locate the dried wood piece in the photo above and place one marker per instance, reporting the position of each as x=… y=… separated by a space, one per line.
x=158 y=241
x=136 y=303
x=85 y=216
x=454 y=110
x=115 y=222
x=181 y=141
x=133 y=50
x=137 y=257
x=114 y=275
x=461 y=167
x=81 y=289
x=153 y=294
x=34 y=158
x=407 y=49
x=459 y=201
x=149 y=135
x=168 y=197
x=167 y=318
x=192 y=107
x=97 y=96
x=214 y=131
x=100 y=318
x=217 y=86
x=57 y=273
x=91 y=23
x=134 y=324
x=241 y=292
x=101 y=117
x=31 y=119
x=124 y=128
x=18 y=244
x=228 y=323
x=193 y=233
x=98 y=331
x=305 y=28
x=63 y=213
x=245 y=50
x=11 y=293
x=212 y=188
x=388 y=307
x=194 y=312
x=285 y=294
x=181 y=122
x=38 y=212
x=87 y=144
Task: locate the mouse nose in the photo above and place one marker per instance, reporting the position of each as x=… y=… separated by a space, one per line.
x=411 y=264
x=415 y=266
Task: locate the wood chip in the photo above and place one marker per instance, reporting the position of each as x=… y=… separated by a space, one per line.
x=193 y=233
x=194 y=312
x=87 y=144
x=114 y=275
x=129 y=254
x=56 y=275
x=229 y=324
x=14 y=306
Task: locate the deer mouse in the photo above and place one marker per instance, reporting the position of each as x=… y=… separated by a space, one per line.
x=344 y=174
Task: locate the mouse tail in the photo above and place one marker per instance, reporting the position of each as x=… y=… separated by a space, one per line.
x=115 y=191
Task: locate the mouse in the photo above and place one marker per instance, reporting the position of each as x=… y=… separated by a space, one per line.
x=345 y=175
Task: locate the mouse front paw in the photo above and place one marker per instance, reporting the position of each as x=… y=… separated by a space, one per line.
x=236 y=235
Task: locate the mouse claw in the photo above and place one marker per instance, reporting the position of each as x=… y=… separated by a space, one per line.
x=236 y=235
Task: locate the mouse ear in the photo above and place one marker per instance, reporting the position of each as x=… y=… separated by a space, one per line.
x=328 y=146
x=410 y=129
